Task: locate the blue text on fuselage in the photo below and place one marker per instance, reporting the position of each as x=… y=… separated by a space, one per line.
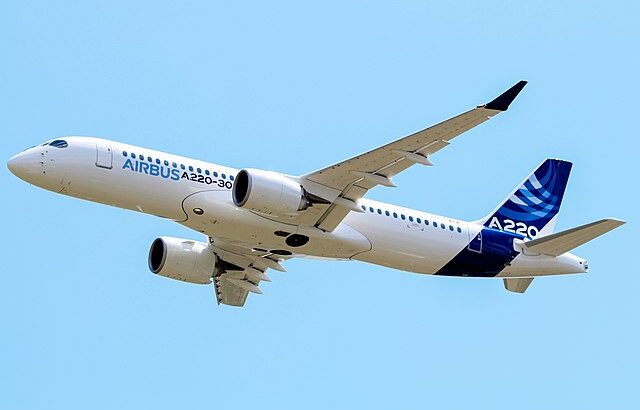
x=152 y=169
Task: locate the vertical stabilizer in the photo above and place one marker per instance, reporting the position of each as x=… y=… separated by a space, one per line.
x=532 y=208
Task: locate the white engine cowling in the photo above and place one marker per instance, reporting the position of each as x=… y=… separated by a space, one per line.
x=268 y=192
x=182 y=259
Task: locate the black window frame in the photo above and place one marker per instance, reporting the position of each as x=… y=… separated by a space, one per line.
x=58 y=144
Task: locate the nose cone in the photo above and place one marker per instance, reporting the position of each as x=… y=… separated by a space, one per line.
x=18 y=166
x=25 y=166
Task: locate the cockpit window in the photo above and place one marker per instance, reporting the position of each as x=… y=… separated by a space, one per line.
x=59 y=143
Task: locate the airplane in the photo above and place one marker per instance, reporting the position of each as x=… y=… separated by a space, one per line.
x=255 y=220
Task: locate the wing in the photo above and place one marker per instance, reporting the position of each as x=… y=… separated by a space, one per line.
x=241 y=271
x=352 y=178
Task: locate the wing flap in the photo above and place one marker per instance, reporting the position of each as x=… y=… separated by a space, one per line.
x=228 y=293
x=242 y=270
x=561 y=242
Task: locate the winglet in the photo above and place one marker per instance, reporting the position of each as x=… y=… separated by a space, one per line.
x=502 y=102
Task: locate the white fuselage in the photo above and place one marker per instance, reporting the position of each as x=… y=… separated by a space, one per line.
x=197 y=194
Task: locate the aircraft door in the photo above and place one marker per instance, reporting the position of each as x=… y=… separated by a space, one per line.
x=475 y=243
x=104 y=155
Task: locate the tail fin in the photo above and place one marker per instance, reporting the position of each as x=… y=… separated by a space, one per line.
x=532 y=208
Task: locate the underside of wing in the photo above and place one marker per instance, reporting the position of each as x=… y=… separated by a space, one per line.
x=241 y=271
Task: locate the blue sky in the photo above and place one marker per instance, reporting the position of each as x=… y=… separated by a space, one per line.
x=293 y=87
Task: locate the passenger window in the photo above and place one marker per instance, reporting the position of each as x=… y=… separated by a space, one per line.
x=426 y=222
x=173 y=164
x=395 y=215
x=199 y=171
x=182 y=166
x=411 y=218
x=419 y=220
x=386 y=213
x=166 y=163
x=206 y=171
x=459 y=230
x=215 y=174
x=133 y=155
x=231 y=177
x=371 y=209
x=224 y=176
x=364 y=208
x=435 y=224
x=379 y=211
x=451 y=228
x=190 y=168
x=402 y=217
x=158 y=161
x=124 y=153
x=442 y=225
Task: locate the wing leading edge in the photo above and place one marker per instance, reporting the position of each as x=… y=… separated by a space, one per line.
x=353 y=177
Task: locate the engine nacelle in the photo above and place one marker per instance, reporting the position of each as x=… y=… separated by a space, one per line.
x=268 y=192
x=182 y=259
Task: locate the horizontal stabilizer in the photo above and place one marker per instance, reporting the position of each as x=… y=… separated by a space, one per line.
x=517 y=285
x=561 y=242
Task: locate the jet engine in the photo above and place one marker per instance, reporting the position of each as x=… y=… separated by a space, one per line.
x=269 y=193
x=182 y=259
